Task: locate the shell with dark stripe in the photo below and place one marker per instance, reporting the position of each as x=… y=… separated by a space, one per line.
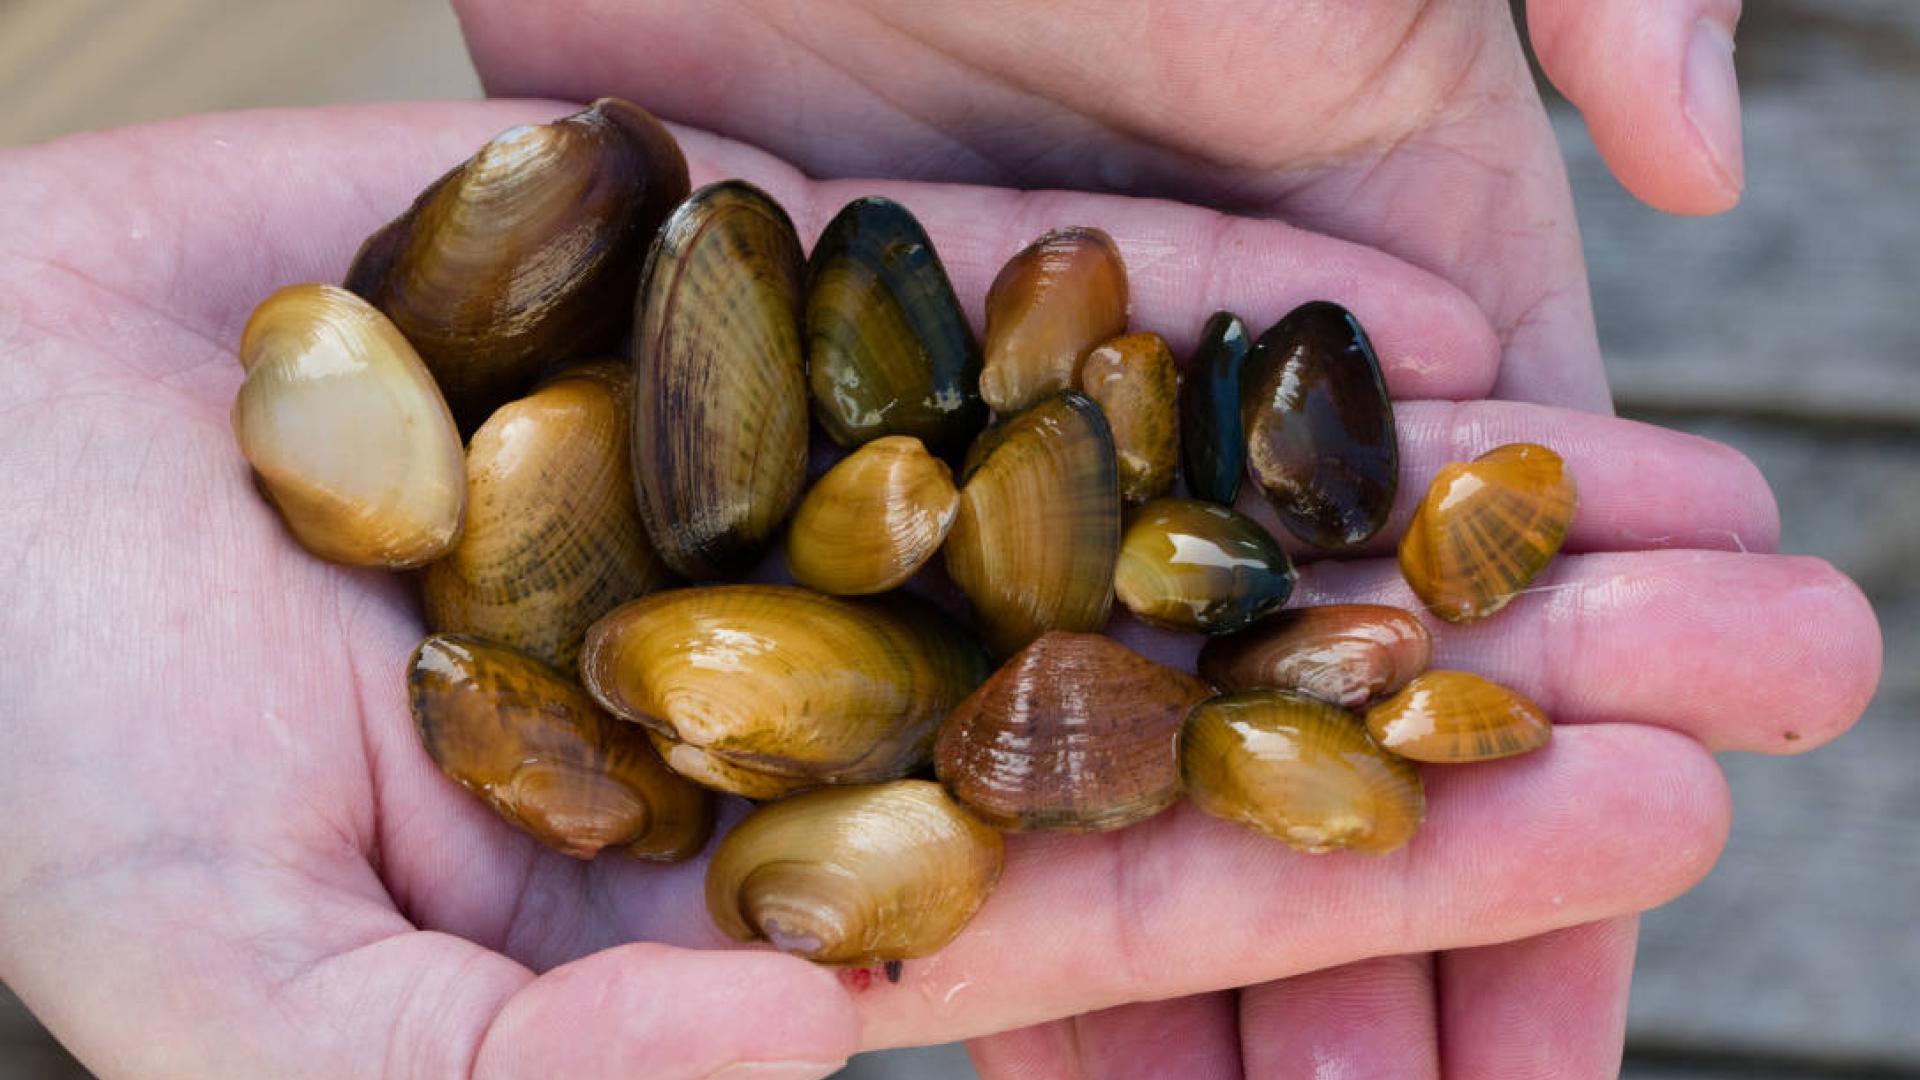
x=1486 y=529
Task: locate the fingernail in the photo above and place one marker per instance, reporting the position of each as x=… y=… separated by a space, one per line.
x=776 y=1070
x=1713 y=99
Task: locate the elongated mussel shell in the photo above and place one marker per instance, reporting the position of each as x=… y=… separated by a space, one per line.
x=1051 y=304
x=347 y=432
x=553 y=538
x=527 y=253
x=1135 y=382
x=861 y=875
x=889 y=349
x=1454 y=716
x=1213 y=451
x=873 y=520
x=1486 y=529
x=784 y=680
x=1347 y=654
x=1191 y=565
x=523 y=737
x=1075 y=733
x=1039 y=525
x=1320 y=438
x=1299 y=770
x=720 y=395
x=715 y=772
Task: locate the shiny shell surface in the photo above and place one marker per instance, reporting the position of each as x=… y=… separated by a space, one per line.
x=1136 y=384
x=1455 y=716
x=1347 y=654
x=1051 y=304
x=1192 y=565
x=719 y=774
x=873 y=520
x=1486 y=529
x=1213 y=450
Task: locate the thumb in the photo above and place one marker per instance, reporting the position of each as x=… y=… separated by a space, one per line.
x=1655 y=81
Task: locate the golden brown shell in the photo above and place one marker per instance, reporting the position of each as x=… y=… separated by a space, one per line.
x=1486 y=529
x=1191 y=565
x=873 y=520
x=1051 y=304
x=1454 y=716
x=719 y=774
x=1347 y=654
x=1136 y=384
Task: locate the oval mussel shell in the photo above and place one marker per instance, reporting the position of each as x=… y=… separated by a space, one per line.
x=553 y=538
x=861 y=875
x=350 y=438
x=1319 y=428
x=1346 y=654
x=1299 y=770
x=526 y=739
x=1454 y=716
x=1049 y=306
x=889 y=349
x=720 y=396
x=1486 y=529
x=1135 y=382
x=1039 y=525
x=873 y=519
x=1191 y=565
x=1075 y=733
x=1213 y=451
x=527 y=253
x=783 y=680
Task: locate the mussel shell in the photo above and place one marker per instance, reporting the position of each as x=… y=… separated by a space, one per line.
x=553 y=538
x=527 y=253
x=1320 y=439
x=1135 y=382
x=1039 y=525
x=1213 y=450
x=350 y=438
x=720 y=395
x=862 y=875
x=784 y=680
x=523 y=737
x=1299 y=770
x=1347 y=654
x=1191 y=565
x=1049 y=306
x=1454 y=716
x=873 y=520
x=1075 y=733
x=719 y=774
x=889 y=349
x=1486 y=530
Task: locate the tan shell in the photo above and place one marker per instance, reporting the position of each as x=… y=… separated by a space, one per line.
x=1134 y=380
x=1454 y=716
x=873 y=520
x=1486 y=529
x=720 y=774
x=1347 y=654
x=1051 y=304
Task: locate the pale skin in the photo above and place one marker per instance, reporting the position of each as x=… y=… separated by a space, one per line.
x=226 y=854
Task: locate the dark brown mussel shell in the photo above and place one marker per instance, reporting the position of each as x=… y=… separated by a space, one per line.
x=526 y=254
x=1486 y=529
x=1347 y=654
x=526 y=739
x=1134 y=381
x=1075 y=733
x=1055 y=300
x=1192 y=565
x=1213 y=451
x=1320 y=438
x=720 y=393
x=1454 y=716
x=888 y=346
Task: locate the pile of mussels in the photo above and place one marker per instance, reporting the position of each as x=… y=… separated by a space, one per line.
x=578 y=685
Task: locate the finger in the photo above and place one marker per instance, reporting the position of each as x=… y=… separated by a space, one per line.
x=1369 y=1018
x=1655 y=81
x=1194 y=1038
x=1552 y=1007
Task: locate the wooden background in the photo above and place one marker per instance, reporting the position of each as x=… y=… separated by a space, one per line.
x=1787 y=328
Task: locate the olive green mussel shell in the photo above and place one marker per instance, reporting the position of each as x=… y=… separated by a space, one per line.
x=1486 y=529
x=1075 y=733
x=873 y=520
x=1034 y=544
x=1299 y=770
x=1135 y=382
x=1191 y=565
x=711 y=771
x=720 y=395
x=785 y=680
x=1320 y=438
x=1051 y=304
x=861 y=875
x=553 y=538
x=527 y=253
x=526 y=739
x=1346 y=654
x=1454 y=716
x=1213 y=451
x=888 y=346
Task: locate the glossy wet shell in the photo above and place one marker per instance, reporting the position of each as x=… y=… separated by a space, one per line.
x=719 y=774
x=1486 y=530
x=1136 y=384
x=1346 y=654
x=1191 y=565
x=1454 y=716
x=1051 y=304
x=1213 y=451
x=873 y=520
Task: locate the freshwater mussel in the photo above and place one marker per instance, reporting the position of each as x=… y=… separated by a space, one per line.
x=1191 y=565
x=1347 y=654
x=1486 y=529
x=1051 y=304
x=1456 y=716
x=1213 y=451
x=873 y=520
x=1134 y=381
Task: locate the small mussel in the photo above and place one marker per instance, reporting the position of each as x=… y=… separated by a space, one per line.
x=1039 y=525
x=783 y=680
x=1075 y=733
x=857 y=876
x=711 y=771
x=873 y=519
x=1347 y=654
x=522 y=736
x=553 y=538
x=1453 y=716
x=889 y=349
x=1191 y=565
x=1299 y=770
x=1486 y=529
x=349 y=436
x=1319 y=428
x=1213 y=452
x=527 y=253
x=720 y=394
x=1051 y=304
x=1135 y=382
